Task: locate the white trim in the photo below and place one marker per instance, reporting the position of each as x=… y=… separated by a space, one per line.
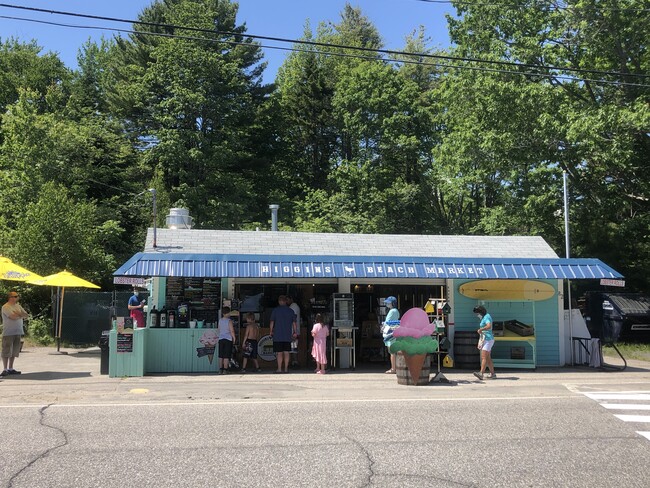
x=561 y=338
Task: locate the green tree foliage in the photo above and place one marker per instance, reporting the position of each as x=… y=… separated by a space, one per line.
x=343 y=144
x=23 y=67
x=543 y=124
x=192 y=103
x=58 y=232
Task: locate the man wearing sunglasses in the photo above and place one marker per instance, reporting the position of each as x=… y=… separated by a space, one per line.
x=12 y=332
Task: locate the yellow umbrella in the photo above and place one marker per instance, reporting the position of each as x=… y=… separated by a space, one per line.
x=62 y=279
x=11 y=271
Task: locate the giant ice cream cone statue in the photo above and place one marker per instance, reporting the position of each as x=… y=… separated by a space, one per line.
x=413 y=339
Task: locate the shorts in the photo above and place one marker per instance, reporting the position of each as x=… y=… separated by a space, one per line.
x=225 y=349
x=250 y=349
x=11 y=346
x=487 y=345
x=282 y=346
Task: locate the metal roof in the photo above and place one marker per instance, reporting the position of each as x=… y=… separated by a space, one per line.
x=322 y=266
x=250 y=254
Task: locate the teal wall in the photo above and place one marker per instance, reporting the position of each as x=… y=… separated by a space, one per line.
x=545 y=313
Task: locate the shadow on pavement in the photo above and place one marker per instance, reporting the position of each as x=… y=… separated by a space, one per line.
x=48 y=375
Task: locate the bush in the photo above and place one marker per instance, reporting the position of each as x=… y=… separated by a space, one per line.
x=40 y=331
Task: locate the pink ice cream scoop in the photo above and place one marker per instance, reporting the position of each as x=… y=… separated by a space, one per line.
x=414 y=323
x=209 y=338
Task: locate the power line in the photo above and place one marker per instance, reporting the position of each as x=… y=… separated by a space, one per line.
x=339 y=54
x=550 y=6
x=388 y=52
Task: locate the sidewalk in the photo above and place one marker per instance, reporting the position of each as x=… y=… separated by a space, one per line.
x=49 y=377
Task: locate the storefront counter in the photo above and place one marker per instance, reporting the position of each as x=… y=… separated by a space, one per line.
x=145 y=351
x=176 y=350
x=181 y=351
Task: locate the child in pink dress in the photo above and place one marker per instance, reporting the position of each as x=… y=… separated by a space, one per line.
x=319 y=332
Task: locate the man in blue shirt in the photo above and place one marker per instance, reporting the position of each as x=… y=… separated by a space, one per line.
x=283 y=329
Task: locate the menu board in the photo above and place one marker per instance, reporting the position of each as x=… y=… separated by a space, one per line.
x=124 y=343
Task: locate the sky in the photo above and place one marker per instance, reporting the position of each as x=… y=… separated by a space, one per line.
x=394 y=19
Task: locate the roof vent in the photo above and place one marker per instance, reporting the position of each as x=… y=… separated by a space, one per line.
x=274 y=216
x=179 y=218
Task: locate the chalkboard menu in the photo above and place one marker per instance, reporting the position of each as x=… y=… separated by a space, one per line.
x=202 y=295
x=124 y=343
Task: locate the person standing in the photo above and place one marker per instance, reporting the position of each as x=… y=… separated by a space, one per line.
x=294 y=343
x=388 y=328
x=226 y=338
x=319 y=332
x=282 y=328
x=249 y=342
x=135 y=307
x=486 y=341
x=12 y=319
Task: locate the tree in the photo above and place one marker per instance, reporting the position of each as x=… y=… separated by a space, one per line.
x=589 y=123
x=192 y=106
x=23 y=67
x=56 y=232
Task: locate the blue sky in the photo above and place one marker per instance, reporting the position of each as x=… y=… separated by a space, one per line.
x=395 y=19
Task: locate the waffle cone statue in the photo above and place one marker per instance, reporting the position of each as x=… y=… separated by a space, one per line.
x=413 y=339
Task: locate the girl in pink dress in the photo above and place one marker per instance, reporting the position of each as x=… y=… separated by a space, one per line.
x=319 y=332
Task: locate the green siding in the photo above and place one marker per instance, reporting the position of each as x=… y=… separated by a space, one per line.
x=127 y=363
x=175 y=351
x=547 y=328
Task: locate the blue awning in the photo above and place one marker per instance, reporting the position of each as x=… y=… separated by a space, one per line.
x=367 y=267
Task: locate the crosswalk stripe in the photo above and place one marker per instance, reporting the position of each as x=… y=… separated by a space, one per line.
x=618 y=396
x=625 y=406
x=644 y=434
x=634 y=418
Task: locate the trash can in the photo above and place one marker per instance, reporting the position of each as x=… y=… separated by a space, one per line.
x=103 y=346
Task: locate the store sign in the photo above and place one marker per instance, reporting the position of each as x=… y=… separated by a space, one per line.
x=619 y=283
x=128 y=280
x=360 y=270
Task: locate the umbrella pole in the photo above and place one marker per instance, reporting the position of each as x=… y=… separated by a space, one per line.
x=58 y=344
x=56 y=298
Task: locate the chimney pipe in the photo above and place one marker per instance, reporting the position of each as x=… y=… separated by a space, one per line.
x=274 y=216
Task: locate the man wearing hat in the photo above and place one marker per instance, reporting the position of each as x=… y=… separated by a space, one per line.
x=12 y=331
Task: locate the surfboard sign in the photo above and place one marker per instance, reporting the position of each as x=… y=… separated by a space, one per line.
x=514 y=290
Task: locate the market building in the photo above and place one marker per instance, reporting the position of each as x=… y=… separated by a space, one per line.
x=192 y=273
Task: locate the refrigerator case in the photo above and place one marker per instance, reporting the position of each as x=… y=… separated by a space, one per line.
x=343 y=331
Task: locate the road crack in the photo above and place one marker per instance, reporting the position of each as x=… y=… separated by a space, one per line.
x=45 y=453
x=399 y=476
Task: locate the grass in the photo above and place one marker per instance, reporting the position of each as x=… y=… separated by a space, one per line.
x=629 y=350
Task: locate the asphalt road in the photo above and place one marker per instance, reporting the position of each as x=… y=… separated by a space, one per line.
x=65 y=425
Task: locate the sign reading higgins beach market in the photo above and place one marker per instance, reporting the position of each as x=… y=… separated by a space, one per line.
x=365 y=270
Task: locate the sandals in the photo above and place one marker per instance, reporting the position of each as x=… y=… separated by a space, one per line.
x=390 y=371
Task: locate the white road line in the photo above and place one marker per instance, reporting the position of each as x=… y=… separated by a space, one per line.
x=625 y=406
x=619 y=396
x=644 y=434
x=288 y=402
x=634 y=418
